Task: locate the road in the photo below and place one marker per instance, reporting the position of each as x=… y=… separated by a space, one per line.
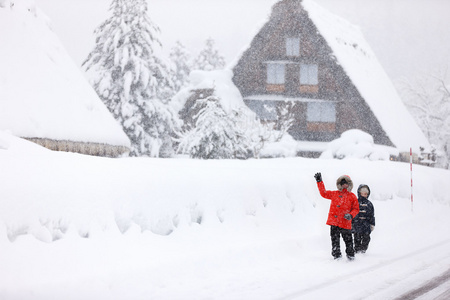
x=395 y=278
x=429 y=287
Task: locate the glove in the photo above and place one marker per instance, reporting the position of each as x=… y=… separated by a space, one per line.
x=318 y=177
x=348 y=216
x=372 y=228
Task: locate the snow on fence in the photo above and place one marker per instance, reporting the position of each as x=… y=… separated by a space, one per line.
x=89 y=148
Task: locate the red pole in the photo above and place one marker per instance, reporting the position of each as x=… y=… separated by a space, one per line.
x=410 y=163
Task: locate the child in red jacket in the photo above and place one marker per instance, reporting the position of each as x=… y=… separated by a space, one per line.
x=343 y=208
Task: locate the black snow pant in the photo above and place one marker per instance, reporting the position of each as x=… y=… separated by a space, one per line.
x=336 y=233
x=361 y=242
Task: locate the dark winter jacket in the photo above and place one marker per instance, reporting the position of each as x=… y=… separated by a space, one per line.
x=343 y=202
x=366 y=216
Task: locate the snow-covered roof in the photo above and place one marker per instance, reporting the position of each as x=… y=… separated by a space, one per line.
x=357 y=59
x=359 y=62
x=43 y=94
x=220 y=81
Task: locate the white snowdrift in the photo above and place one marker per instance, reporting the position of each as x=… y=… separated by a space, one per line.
x=355 y=143
x=81 y=227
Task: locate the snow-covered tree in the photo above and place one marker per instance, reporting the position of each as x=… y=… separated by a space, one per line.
x=207 y=117
x=215 y=135
x=132 y=79
x=428 y=99
x=181 y=60
x=209 y=58
x=259 y=135
x=285 y=114
x=256 y=133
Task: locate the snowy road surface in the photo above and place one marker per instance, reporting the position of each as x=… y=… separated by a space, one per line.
x=391 y=277
x=436 y=288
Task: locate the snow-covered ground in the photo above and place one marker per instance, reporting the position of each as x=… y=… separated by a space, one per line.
x=80 y=227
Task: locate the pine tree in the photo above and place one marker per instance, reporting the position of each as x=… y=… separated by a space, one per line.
x=132 y=81
x=182 y=66
x=215 y=135
x=209 y=58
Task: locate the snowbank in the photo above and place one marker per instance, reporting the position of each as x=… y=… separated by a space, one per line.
x=356 y=143
x=82 y=227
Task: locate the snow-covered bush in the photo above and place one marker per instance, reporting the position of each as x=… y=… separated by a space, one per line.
x=264 y=141
x=355 y=143
x=285 y=146
x=215 y=135
x=227 y=103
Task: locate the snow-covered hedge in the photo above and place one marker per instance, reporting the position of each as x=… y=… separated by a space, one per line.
x=355 y=143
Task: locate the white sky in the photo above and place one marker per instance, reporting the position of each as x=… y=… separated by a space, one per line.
x=407 y=35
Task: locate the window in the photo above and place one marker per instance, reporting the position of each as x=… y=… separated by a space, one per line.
x=322 y=111
x=266 y=110
x=309 y=74
x=321 y=117
x=292 y=46
x=275 y=73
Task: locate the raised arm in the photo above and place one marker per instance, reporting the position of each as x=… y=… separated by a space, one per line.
x=321 y=186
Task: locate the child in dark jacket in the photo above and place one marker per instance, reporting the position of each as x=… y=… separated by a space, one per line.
x=364 y=222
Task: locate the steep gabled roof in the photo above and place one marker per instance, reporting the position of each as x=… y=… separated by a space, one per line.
x=360 y=64
x=358 y=60
x=43 y=94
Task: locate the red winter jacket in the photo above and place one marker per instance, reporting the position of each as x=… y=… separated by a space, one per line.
x=342 y=202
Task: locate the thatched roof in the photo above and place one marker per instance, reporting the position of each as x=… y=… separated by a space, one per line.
x=43 y=94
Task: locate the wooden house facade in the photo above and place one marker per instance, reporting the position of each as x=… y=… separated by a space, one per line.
x=290 y=61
